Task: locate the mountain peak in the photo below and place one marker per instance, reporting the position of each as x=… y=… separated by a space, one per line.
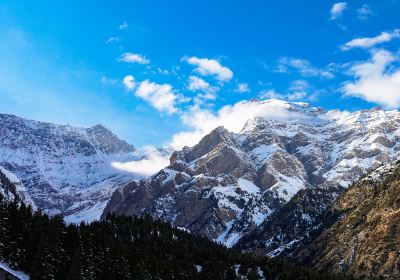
x=99 y=127
x=107 y=141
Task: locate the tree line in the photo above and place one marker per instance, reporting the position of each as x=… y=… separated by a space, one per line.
x=121 y=247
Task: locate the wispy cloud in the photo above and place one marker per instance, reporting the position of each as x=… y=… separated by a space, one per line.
x=297 y=95
x=151 y=162
x=364 y=12
x=196 y=83
x=123 y=25
x=374 y=81
x=211 y=67
x=299 y=85
x=205 y=91
x=113 y=39
x=162 y=71
x=104 y=80
x=242 y=88
x=337 y=10
x=129 y=57
x=291 y=96
x=304 y=67
x=297 y=91
x=369 y=42
x=271 y=94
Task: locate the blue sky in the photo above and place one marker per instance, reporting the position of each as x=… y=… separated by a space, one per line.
x=67 y=62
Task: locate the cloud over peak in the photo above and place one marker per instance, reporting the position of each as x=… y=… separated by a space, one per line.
x=210 y=67
x=232 y=117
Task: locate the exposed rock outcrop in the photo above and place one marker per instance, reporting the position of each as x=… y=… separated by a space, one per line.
x=360 y=234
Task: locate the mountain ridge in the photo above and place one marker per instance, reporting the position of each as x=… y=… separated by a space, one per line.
x=228 y=184
x=66 y=170
x=359 y=233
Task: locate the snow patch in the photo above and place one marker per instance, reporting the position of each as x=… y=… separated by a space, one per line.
x=20 y=275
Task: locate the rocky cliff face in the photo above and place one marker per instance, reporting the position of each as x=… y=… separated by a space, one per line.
x=65 y=169
x=360 y=233
x=232 y=185
x=293 y=225
x=12 y=188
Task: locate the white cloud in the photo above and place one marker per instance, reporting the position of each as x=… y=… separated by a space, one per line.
x=123 y=25
x=271 y=94
x=242 y=88
x=162 y=71
x=298 y=90
x=196 y=83
x=232 y=117
x=160 y=96
x=151 y=163
x=299 y=85
x=113 y=39
x=363 y=12
x=375 y=82
x=129 y=57
x=366 y=43
x=204 y=98
x=304 y=67
x=129 y=82
x=338 y=9
x=207 y=92
x=210 y=67
x=295 y=94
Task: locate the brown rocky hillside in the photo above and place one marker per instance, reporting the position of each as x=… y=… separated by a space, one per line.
x=365 y=240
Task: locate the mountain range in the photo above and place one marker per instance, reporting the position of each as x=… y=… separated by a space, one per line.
x=282 y=186
x=270 y=180
x=66 y=170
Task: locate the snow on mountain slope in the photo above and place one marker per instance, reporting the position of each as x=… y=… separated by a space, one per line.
x=228 y=184
x=66 y=170
x=11 y=187
x=18 y=274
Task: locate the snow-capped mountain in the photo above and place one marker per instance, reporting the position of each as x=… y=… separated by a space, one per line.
x=230 y=185
x=66 y=170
